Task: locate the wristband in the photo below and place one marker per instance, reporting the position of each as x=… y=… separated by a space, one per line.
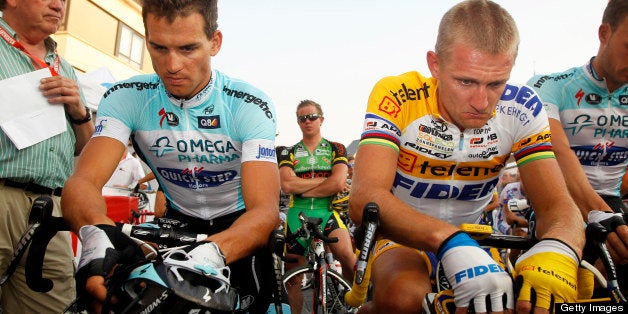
x=88 y=117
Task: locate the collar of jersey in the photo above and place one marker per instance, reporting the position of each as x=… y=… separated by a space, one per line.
x=195 y=100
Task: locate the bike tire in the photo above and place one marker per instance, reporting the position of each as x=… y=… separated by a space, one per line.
x=336 y=287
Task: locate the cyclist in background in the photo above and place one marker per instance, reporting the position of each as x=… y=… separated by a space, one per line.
x=586 y=106
x=314 y=170
x=209 y=140
x=431 y=153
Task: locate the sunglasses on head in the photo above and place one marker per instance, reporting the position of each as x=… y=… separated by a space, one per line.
x=312 y=117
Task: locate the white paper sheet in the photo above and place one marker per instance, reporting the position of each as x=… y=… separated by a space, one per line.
x=27 y=117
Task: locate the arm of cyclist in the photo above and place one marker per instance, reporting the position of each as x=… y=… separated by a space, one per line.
x=292 y=184
x=85 y=211
x=617 y=238
x=583 y=193
x=548 y=271
x=373 y=178
x=261 y=199
x=335 y=183
x=579 y=187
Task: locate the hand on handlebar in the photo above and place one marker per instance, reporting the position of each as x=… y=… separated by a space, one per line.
x=545 y=275
x=477 y=280
x=617 y=239
x=104 y=246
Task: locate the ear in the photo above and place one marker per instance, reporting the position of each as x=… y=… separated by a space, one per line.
x=322 y=119
x=432 y=63
x=604 y=33
x=216 y=42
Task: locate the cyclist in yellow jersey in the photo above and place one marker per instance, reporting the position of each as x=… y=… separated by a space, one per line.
x=430 y=156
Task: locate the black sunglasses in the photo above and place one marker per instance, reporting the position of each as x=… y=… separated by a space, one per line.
x=312 y=117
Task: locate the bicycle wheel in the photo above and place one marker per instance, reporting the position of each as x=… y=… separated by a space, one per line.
x=335 y=288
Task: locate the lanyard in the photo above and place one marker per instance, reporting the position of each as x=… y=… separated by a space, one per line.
x=36 y=61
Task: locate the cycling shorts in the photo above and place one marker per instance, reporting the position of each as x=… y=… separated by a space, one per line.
x=331 y=222
x=430 y=259
x=252 y=276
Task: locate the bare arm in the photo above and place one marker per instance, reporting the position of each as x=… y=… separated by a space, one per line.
x=372 y=180
x=292 y=184
x=260 y=189
x=335 y=183
x=82 y=201
x=579 y=187
x=557 y=215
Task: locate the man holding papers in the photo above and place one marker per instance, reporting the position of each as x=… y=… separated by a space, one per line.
x=33 y=165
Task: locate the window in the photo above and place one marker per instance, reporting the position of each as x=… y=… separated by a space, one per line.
x=130 y=45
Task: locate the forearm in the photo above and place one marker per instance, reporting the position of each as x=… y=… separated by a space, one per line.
x=248 y=233
x=296 y=185
x=329 y=187
x=82 y=133
x=576 y=180
x=557 y=216
x=82 y=204
x=401 y=223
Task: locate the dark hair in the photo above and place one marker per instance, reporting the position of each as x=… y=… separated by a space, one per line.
x=615 y=12
x=171 y=9
x=3 y=4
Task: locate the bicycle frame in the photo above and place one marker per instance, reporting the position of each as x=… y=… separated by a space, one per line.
x=328 y=286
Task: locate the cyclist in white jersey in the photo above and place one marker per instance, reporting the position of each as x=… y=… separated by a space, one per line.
x=209 y=140
x=588 y=111
x=430 y=156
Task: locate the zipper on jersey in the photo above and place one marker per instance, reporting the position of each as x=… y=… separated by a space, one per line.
x=461 y=142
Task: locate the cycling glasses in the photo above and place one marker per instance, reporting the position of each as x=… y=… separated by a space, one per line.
x=312 y=117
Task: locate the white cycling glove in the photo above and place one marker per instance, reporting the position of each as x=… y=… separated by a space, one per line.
x=104 y=246
x=477 y=280
x=205 y=259
x=605 y=218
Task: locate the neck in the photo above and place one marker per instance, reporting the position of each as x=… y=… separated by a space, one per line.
x=312 y=141
x=600 y=74
x=31 y=38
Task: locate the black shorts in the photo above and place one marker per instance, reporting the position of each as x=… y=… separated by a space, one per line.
x=252 y=276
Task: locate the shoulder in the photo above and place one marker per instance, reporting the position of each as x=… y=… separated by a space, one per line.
x=555 y=80
x=140 y=84
x=239 y=89
x=412 y=78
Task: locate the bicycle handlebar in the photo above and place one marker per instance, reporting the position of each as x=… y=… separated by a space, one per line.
x=310 y=229
x=162 y=236
x=365 y=236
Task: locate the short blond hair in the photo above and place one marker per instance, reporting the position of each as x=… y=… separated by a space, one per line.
x=482 y=25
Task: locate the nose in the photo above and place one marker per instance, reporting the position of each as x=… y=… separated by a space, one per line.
x=57 y=5
x=479 y=100
x=173 y=63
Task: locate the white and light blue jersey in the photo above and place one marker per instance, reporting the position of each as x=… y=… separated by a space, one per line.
x=595 y=121
x=194 y=147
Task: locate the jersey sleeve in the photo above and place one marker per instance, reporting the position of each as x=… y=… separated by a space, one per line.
x=285 y=157
x=549 y=94
x=383 y=120
x=531 y=125
x=119 y=107
x=255 y=123
x=339 y=153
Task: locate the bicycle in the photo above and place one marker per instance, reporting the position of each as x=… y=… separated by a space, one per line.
x=595 y=248
x=326 y=286
x=144 y=287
